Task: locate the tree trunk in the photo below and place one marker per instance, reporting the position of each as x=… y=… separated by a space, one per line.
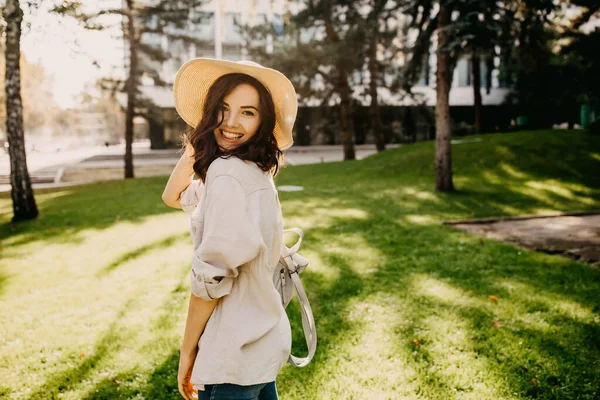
x=409 y=127
x=131 y=88
x=477 y=104
x=346 y=124
x=157 y=134
x=304 y=126
x=443 y=150
x=24 y=206
x=374 y=108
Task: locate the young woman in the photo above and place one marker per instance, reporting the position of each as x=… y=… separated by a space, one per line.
x=237 y=335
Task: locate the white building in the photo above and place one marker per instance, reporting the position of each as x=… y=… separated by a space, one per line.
x=219 y=29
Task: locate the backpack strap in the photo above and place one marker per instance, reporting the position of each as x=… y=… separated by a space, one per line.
x=294 y=249
x=308 y=320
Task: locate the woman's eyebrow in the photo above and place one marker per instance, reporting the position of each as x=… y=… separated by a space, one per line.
x=225 y=103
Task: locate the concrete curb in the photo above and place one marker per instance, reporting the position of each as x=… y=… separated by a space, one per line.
x=518 y=217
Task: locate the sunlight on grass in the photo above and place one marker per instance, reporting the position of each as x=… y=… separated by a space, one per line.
x=356 y=252
x=421 y=219
x=368 y=354
x=317 y=214
x=511 y=171
x=505 y=208
x=443 y=292
x=325 y=270
x=521 y=292
x=546 y=192
x=420 y=194
x=504 y=151
x=454 y=361
x=47 y=196
x=510 y=309
x=595 y=156
x=551 y=186
x=492 y=177
x=70 y=282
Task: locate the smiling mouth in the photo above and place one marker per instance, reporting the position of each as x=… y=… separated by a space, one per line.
x=230 y=136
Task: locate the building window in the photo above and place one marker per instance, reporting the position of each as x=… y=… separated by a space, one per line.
x=231 y=24
x=464 y=72
x=203 y=27
x=233 y=56
x=425 y=72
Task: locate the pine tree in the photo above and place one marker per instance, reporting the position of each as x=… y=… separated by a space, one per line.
x=379 y=35
x=166 y=18
x=318 y=50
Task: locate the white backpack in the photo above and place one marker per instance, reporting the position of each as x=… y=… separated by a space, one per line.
x=288 y=283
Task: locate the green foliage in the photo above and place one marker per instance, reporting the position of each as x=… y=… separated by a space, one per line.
x=482 y=26
x=322 y=37
x=169 y=19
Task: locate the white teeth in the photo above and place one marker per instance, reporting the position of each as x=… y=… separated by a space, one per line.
x=231 y=135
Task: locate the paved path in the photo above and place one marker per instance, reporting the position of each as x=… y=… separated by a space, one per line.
x=576 y=236
x=69 y=167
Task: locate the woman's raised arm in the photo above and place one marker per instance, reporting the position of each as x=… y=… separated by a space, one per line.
x=180 y=178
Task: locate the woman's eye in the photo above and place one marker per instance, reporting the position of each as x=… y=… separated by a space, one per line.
x=249 y=113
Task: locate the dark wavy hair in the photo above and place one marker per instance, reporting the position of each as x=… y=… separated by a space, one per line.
x=261 y=148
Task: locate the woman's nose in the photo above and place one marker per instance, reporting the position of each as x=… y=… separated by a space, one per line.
x=232 y=119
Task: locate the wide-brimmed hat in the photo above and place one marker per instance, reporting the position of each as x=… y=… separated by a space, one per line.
x=196 y=76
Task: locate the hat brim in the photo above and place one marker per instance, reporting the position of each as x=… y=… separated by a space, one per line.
x=196 y=76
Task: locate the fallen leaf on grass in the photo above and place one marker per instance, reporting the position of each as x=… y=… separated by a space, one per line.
x=118 y=382
x=81 y=355
x=497 y=324
x=534 y=381
x=493 y=298
x=416 y=342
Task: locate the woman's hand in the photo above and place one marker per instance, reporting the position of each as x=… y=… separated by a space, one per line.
x=186 y=363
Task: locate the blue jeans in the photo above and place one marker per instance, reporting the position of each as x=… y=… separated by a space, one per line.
x=228 y=391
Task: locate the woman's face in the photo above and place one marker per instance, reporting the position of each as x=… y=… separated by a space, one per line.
x=241 y=118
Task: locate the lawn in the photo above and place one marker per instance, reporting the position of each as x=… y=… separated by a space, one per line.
x=93 y=294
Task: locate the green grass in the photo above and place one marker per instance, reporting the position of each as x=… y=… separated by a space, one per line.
x=93 y=294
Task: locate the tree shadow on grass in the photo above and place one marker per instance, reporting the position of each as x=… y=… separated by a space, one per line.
x=329 y=302
x=68 y=378
x=141 y=251
x=161 y=382
x=65 y=213
x=473 y=265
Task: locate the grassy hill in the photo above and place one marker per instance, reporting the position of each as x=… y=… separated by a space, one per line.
x=94 y=293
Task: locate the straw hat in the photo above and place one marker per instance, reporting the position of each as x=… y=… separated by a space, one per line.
x=196 y=76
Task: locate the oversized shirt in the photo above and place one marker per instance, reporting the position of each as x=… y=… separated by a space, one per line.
x=236 y=226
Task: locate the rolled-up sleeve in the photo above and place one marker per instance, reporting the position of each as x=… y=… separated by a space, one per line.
x=231 y=238
x=190 y=197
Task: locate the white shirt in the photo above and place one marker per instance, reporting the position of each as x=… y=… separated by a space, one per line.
x=237 y=226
